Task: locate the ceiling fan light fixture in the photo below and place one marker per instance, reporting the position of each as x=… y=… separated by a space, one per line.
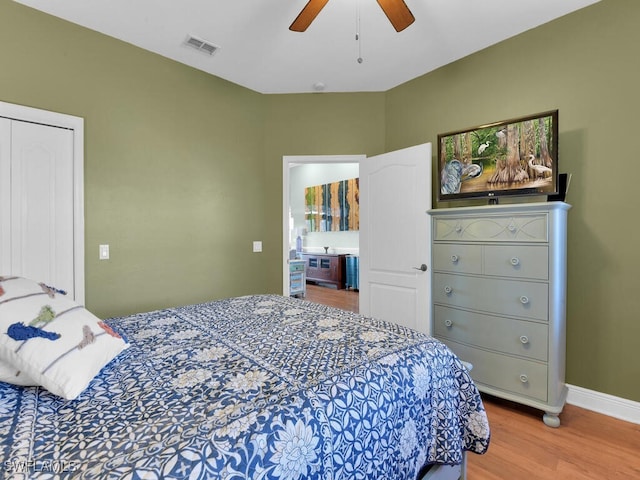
x=201 y=45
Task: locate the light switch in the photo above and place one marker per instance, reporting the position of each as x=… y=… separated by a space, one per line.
x=104 y=252
x=257 y=246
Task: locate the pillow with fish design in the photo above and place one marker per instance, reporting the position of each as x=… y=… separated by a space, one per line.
x=49 y=340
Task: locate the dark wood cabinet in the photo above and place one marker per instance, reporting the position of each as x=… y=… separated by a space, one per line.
x=325 y=268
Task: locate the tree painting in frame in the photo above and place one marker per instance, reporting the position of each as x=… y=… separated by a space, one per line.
x=511 y=157
x=333 y=207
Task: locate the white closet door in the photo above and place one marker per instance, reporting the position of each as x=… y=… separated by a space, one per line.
x=5 y=196
x=42 y=204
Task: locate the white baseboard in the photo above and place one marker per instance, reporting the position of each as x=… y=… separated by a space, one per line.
x=616 y=407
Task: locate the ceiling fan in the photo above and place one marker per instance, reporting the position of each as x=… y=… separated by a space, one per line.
x=396 y=10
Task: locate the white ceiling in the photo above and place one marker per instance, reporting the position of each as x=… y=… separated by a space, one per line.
x=258 y=51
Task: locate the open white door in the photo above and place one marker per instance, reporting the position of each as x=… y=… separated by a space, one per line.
x=395 y=239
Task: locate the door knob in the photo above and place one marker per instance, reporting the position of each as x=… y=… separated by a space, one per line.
x=422 y=267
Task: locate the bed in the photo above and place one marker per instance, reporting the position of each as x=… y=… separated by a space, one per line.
x=255 y=387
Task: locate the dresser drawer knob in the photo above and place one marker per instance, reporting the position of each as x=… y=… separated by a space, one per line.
x=454 y=259
x=515 y=261
x=448 y=323
x=524 y=339
x=458 y=228
x=448 y=290
x=524 y=378
x=524 y=299
x=512 y=228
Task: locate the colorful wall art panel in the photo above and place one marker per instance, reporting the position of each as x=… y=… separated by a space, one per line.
x=333 y=207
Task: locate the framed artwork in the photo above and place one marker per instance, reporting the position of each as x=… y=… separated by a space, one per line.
x=333 y=207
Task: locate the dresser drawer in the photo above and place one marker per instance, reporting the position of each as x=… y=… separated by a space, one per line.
x=516 y=337
x=522 y=261
x=505 y=297
x=296 y=266
x=531 y=227
x=457 y=258
x=521 y=377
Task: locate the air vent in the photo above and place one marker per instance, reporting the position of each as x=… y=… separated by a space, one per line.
x=202 y=45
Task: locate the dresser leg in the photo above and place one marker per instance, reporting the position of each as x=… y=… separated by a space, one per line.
x=551 y=420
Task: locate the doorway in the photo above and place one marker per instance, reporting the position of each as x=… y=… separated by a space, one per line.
x=393 y=238
x=298 y=172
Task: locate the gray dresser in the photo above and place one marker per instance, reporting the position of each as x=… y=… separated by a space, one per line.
x=499 y=298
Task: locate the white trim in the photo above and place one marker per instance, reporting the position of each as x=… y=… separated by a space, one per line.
x=287 y=162
x=62 y=120
x=616 y=407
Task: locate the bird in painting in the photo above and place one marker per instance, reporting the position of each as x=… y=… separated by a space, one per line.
x=473 y=170
x=540 y=170
x=451 y=177
x=483 y=147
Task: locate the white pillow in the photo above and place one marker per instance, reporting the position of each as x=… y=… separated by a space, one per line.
x=10 y=374
x=49 y=340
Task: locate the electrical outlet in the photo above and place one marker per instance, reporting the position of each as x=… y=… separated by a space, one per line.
x=257 y=246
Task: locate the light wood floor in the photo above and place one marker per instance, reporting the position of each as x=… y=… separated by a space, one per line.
x=344 y=299
x=587 y=445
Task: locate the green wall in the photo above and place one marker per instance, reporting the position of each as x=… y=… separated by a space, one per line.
x=184 y=170
x=313 y=124
x=587 y=65
x=173 y=162
x=175 y=175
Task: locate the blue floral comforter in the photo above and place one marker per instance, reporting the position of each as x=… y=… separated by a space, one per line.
x=257 y=387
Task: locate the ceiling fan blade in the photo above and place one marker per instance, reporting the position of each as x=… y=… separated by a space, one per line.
x=397 y=12
x=307 y=15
